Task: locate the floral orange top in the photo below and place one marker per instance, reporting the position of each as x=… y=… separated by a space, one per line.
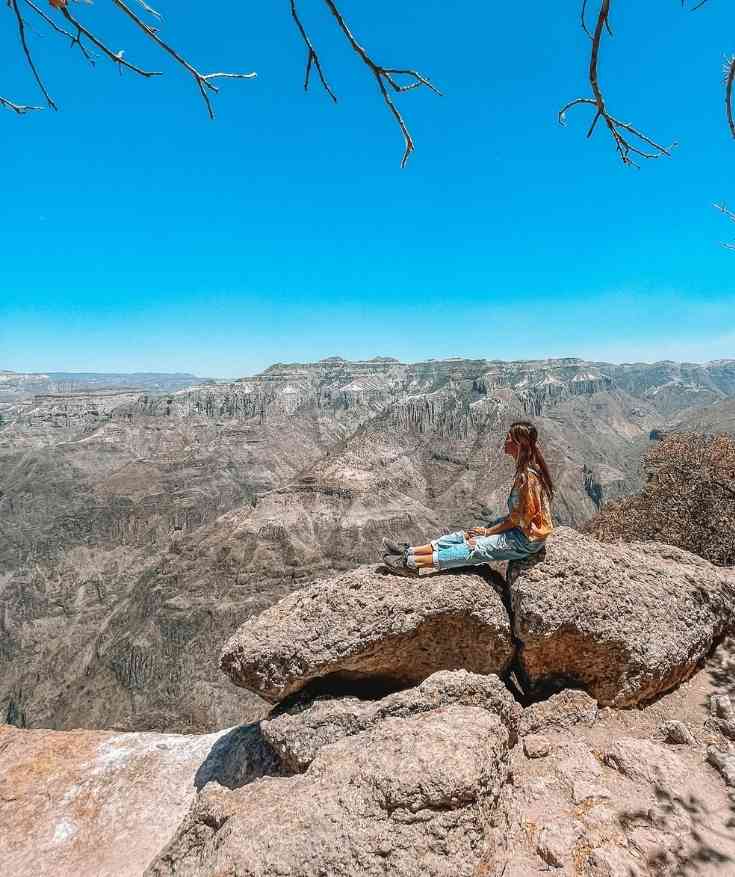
x=529 y=506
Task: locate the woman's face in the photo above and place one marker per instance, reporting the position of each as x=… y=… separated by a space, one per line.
x=510 y=447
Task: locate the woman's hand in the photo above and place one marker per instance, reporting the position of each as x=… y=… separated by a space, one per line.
x=471 y=534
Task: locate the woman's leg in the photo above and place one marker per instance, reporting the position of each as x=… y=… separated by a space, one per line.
x=509 y=545
x=420 y=556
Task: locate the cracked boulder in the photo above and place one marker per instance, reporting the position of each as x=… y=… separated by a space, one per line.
x=410 y=798
x=299 y=732
x=626 y=622
x=366 y=628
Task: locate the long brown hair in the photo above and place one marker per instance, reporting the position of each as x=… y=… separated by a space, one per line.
x=525 y=435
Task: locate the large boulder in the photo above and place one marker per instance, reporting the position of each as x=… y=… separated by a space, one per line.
x=625 y=622
x=97 y=803
x=298 y=733
x=410 y=798
x=368 y=628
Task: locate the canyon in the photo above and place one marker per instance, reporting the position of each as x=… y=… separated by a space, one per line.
x=142 y=520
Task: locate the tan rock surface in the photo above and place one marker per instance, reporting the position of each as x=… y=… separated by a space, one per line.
x=367 y=626
x=300 y=732
x=409 y=797
x=561 y=711
x=92 y=803
x=625 y=622
x=645 y=809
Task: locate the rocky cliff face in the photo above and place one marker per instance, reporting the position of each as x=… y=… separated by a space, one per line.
x=472 y=767
x=17 y=385
x=138 y=527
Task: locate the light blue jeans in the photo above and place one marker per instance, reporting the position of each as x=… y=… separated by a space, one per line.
x=453 y=550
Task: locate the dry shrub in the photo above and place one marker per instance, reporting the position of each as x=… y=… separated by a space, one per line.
x=688 y=500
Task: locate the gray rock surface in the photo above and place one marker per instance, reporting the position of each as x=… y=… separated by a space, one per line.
x=409 y=797
x=561 y=711
x=721 y=706
x=625 y=622
x=536 y=745
x=365 y=626
x=724 y=762
x=675 y=731
x=646 y=762
x=300 y=732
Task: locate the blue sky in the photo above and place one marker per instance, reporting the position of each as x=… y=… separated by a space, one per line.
x=135 y=234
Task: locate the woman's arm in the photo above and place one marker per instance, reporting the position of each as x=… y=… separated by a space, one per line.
x=500 y=527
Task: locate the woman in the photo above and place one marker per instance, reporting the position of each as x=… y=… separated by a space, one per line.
x=521 y=533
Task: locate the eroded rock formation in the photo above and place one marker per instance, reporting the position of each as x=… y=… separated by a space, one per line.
x=625 y=622
x=366 y=627
x=301 y=727
x=408 y=797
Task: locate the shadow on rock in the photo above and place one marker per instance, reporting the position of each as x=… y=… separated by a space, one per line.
x=238 y=758
x=689 y=835
x=722 y=667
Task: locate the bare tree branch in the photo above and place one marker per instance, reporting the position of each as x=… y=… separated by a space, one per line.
x=730 y=215
x=20 y=109
x=75 y=39
x=583 y=19
x=117 y=57
x=312 y=58
x=151 y=11
x=385 y=75
x=729 y=78
x=26 y=51
x=630 y=142
x=625 y=146
x=203 y=81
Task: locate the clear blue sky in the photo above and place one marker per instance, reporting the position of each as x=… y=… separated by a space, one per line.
x=135 y=234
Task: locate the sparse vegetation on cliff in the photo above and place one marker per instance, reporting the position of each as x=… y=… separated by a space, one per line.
x=688 y=500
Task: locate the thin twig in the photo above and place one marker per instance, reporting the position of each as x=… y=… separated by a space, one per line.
x=730 y=215
x=75 y=39
x=20 y=109
x=117 y=57
x=27 y=53
x=150 y=10
x=729 y=78
x=203 y=81
x=618 y=129
x=312 y=58
x=583 y=19
x=725 y=487
x=385 y=75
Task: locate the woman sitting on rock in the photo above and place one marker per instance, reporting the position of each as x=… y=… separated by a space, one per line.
x=520 y=534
